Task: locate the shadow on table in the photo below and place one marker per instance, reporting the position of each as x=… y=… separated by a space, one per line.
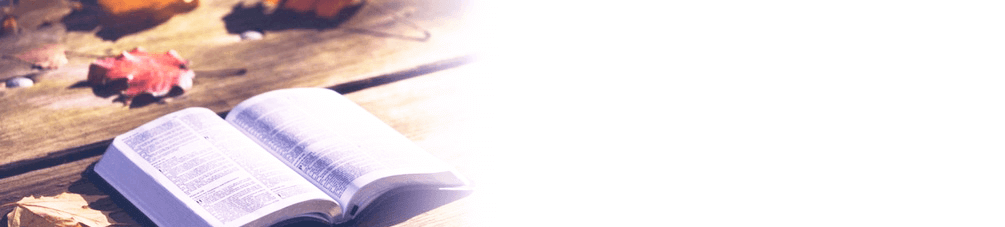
x=243 y=18
x=393 y=208
x=115 y=87
x=255 y=18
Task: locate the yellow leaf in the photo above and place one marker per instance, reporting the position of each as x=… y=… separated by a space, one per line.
x=67 y=209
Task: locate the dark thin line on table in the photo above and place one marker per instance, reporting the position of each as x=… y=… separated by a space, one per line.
x=98 y=148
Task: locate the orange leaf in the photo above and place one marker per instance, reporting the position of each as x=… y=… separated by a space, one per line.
x=137 y=11
x=321 y=8
x=125 y=6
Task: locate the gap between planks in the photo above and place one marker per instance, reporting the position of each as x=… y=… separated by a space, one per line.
x=98 y=148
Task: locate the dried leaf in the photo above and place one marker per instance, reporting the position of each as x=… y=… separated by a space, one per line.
x=162 y=8
x=144 y=72
x=322 y=8
x=67 y=209
x=51 y=56
x=123 y=17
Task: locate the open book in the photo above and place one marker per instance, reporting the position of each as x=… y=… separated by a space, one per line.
x=291 y=153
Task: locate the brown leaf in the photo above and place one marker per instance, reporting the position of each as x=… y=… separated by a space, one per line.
x=67 y=209
x=157 y=9
x=322 y=8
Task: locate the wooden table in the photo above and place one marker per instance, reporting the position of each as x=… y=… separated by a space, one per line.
x=53 y=132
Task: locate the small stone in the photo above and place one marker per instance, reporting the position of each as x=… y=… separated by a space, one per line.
x=19 y=82
x=251 y=35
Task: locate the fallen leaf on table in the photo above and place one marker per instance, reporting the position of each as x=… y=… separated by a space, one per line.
x=162 y=8
x=51 y=56
x=144 y=72
x=67 y=209
x=322 y=8
x=122 y=17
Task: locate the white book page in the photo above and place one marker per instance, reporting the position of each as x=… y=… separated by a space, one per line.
x=215 y=170
x=147 y=194
x=329 y=139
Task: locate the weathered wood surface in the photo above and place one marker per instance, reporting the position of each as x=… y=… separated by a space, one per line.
x=58 y=115
x=441 y=112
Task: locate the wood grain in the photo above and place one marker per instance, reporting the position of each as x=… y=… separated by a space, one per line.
x=59 y=114
x=441 y=112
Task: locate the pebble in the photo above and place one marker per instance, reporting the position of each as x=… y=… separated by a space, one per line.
x=251 y=35
x=19 y=82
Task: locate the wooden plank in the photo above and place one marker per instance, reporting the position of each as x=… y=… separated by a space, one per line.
x=445 y=114
x=439 y=111
x=44 y=182
x=56 y=114
x=88 y=150
x=68 y=177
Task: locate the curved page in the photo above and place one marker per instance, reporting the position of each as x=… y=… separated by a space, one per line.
x=215 y=170
x=330 y=140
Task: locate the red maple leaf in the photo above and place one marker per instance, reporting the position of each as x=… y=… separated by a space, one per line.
x=144 y=72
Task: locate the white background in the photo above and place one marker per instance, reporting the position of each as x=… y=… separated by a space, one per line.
x=747 y=113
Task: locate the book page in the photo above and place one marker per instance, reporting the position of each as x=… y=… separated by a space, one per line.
x=221 y=173
x=331 y=140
